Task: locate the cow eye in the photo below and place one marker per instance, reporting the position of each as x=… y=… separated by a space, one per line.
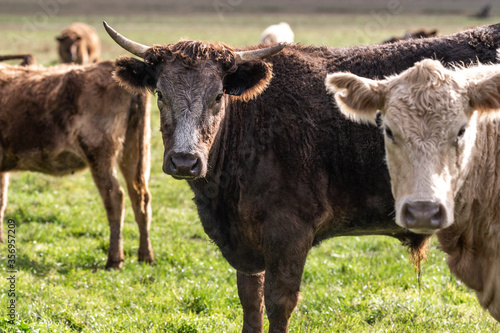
x=219 y=97
x=159 y=95
x=461 y=133
x=388 y=133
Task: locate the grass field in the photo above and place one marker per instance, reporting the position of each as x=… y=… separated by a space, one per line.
x=350 y=284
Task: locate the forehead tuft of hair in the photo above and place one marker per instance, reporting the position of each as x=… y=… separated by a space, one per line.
x=426 y=74
x=191 y=53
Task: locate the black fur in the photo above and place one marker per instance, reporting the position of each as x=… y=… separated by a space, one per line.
x=135 y=74
x=246 y=77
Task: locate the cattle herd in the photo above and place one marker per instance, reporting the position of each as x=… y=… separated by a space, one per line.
x=283 y=146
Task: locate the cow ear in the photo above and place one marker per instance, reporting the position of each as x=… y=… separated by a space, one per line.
x=134 y=74
x=357 y=98
x=484 y=95
x=249 y=80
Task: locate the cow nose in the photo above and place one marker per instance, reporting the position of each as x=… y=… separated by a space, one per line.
x=423 y=215
x=184 y=166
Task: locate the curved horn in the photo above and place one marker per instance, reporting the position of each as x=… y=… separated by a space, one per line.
x=129 y=45
x=245 y=56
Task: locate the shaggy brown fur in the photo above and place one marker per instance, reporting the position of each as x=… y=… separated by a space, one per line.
x=191 y=53
x=63 y=119
x=277 y=174
x=79 y=43
x=28 y=59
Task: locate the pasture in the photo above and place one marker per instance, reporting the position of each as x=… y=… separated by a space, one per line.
x=350 y=284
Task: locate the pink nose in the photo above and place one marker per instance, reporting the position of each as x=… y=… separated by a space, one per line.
x=427 y=215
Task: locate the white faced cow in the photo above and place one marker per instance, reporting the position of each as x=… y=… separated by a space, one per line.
x=442 y=143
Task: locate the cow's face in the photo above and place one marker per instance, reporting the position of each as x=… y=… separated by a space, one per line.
x=191 y=104
x=428 y=139
x=428 y=117
x=193 y=82
x=71 y=49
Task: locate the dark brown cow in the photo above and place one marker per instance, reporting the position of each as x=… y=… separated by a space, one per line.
x=275 y=171
x=412 y=35
x=79 y=44
x=484 y=12
x=28 y=59
x=63 y=119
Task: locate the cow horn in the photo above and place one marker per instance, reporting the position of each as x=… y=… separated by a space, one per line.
x=129 y=45
x=245 y=56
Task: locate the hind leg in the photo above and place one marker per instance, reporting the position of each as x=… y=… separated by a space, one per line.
x=134 y=165
x=4 y=184
x=113 y=198
x=137 y=187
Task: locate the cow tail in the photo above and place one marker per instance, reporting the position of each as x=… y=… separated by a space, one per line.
x=139 y=135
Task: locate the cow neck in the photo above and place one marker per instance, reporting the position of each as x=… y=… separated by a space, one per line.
x=480 y=192
x=233 y=149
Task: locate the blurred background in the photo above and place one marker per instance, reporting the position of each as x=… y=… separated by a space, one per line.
x=31 y=25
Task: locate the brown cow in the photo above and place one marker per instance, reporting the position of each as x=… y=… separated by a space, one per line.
x=276 y=171
x=62 y=119
x=79 y=43
x=443 y=156
x=28 y=59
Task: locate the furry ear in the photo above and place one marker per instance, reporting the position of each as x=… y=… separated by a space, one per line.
x=134 y=74
x=249 y=80
x=484 y=95
x=358 y=98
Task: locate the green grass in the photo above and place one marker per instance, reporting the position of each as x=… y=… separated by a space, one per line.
x=350 y=284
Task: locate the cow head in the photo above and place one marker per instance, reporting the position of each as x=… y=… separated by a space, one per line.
x=71 y=48
x=192 y=81
x=429 y=118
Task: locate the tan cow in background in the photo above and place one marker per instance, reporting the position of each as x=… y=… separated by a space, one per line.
x=79 y=43
x=442 y=140
x=63 y=119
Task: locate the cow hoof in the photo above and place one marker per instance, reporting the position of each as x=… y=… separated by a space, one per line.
x=114 y=264
x=147 y=257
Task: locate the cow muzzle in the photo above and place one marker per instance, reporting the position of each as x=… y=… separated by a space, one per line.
x=423 y=217
x=182 y=166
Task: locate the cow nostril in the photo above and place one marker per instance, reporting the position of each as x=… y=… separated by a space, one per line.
x=172 y=165
x=194 y=168
x=437 y=219
x=408 y=215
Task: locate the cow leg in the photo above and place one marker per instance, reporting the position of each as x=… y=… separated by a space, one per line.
x=251 y=293
x=135 y=165
x=113 y=197
x=4 y=184
x=285 y=256
x=137 y=187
